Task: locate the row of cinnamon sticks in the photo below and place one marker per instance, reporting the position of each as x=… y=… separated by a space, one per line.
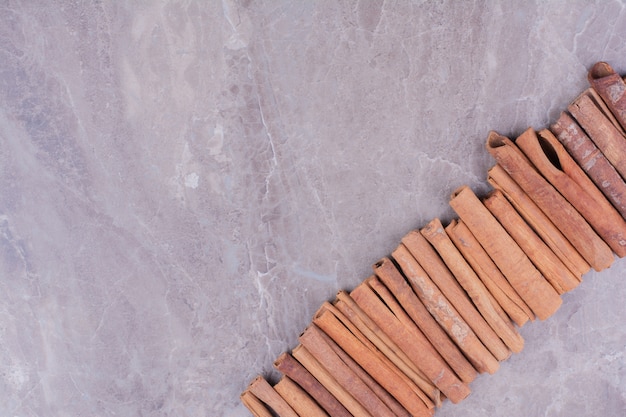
x=446 y=305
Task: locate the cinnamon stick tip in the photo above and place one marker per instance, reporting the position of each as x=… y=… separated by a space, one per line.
x=599 y=70
x=495 y=140
x=459 y=191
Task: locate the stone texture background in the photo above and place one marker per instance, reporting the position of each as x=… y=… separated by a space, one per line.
x=183 y=183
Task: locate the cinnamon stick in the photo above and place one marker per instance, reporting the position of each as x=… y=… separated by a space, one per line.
x=327 y=379
x=416 y=349
x=573 y=226
x=313 y=340
x=290 y=367
x=538 y=220
x=591 y=160
x=379 y=370
x=256 y=406
x=393 y=279
x=609 y=139
x=561 y=278
x=379 y=338
x=446 y=314
x=394 y=406
x=503 y=293
x=554 y=163
x=538 y=294
x=497 y=334
x=298 y=399
x=268 y=395
x=611 y=87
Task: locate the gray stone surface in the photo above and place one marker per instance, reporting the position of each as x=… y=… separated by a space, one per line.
x=183 y=183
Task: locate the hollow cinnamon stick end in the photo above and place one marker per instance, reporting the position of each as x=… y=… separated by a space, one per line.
x=600 y=70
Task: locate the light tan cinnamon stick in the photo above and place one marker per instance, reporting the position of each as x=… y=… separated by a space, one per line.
x=290 y=367
x=256 y=406
x=591 y=160
x=379 y=338
x=268 y=395
x=327 y=379
x=573 y=226
x=538 y=294
x=561 y=278
x=538 y=220
x=396 y=283
x=500 y=335
x=373 y=364
x=557 y=166
x=420 y=354
x=298 y=399
x=602 y=132
x=611 y=87
x=313 y=340
x=445 y=314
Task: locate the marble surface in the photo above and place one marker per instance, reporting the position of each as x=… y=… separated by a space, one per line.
x=183 y=183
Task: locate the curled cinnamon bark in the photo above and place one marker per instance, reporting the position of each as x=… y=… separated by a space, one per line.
x=268 y=395
x=607 y=137
x=537 y=219
x=503 y=293
x=507 y=255
x=380 y=370
x=537 y=251
x=564 y=216
x=256 y=406
x=415 y=308
x=552 y=160
x=298 y=399
x=415 y=348
x=290 y=367
x=611 y=87
x=591 y=160
x=497 y=334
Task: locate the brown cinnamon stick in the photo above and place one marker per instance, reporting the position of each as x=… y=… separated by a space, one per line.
x=573 y=226
x=394 y=406
x=612 y=88
x=538 y=220
x=327 y=379
x=561 y=278
x=503 y=293
x=373 y=364
x=384 y=354
x=313 y=340
x=379 y=338
x=256 y=406
x=414 y=307
x=298 y=399
x=268 y=395
x=416 y=349
x=290 y=367
x=538 y=294
x=497 y=334
x=446 y=314
x=591 y=160
x=557 y=166
x=608 y=138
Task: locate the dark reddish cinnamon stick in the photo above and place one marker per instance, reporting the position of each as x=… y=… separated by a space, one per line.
x=591 y=160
